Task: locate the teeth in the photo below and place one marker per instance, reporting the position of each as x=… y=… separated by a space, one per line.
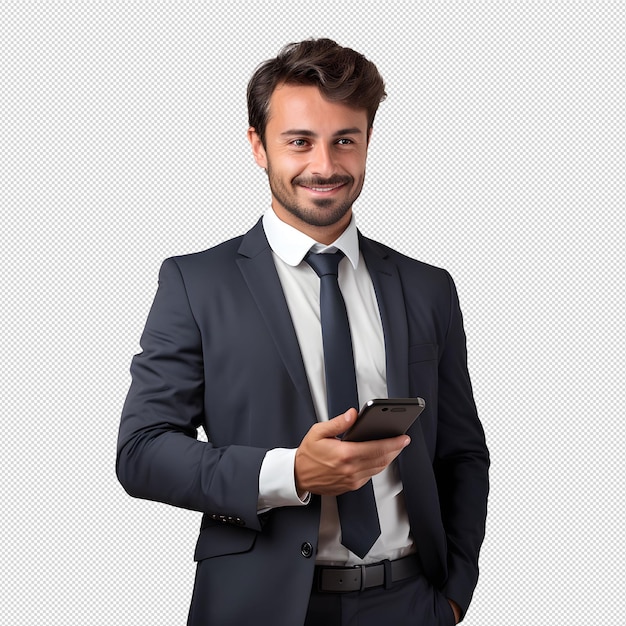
x=324 y=188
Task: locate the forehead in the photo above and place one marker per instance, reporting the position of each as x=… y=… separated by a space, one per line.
x=304 y=107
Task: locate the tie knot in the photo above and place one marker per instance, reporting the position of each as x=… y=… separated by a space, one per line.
x=324 y=263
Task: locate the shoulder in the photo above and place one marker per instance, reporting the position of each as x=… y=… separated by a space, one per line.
x=218 y=256
x=223 y=257
x=201 y=277
x=204 y=271
x=409 y=268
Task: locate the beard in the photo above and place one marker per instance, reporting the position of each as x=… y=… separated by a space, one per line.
x=322 y=211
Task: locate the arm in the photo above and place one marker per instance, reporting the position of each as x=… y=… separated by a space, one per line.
x=461 y=463
x=158 y=455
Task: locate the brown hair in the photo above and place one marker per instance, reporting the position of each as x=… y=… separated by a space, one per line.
x=341 y=74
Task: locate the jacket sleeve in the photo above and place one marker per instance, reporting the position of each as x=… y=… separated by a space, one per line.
x=461 y=462
x=158 y=454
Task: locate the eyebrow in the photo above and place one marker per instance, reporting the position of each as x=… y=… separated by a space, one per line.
x=309 y=133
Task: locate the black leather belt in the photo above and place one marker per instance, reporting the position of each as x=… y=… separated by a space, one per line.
x=359 y=577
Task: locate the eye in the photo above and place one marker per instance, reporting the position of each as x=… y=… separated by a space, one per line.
x=299 y=143
x=344 y=142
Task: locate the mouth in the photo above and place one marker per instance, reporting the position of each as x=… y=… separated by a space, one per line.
x=324 y=188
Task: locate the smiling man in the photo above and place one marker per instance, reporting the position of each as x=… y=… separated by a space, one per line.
x=314 y=153
x=271 y=341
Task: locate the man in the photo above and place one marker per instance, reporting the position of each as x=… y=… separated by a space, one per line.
x=234 y=343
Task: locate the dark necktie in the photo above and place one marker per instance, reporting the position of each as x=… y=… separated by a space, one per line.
x=357 y=509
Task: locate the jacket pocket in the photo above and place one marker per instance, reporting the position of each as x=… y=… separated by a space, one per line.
x=218 y=540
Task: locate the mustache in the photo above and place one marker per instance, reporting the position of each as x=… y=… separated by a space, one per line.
x=320 y=182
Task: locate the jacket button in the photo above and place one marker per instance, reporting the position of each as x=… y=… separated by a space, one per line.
x=306 y=550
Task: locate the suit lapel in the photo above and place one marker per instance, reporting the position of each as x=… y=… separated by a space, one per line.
x=256 y=264
x=416 y=468
x=390 y=299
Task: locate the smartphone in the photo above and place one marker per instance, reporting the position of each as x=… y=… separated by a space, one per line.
x=384 y=417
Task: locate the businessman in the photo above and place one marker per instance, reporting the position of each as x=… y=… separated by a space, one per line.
x=271 y=342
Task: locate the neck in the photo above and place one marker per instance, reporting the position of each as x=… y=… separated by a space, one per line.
x=322 y=234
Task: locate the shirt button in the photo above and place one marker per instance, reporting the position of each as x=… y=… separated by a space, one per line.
x=306 y=549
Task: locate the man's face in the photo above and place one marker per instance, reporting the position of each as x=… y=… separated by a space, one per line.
x=315 y=153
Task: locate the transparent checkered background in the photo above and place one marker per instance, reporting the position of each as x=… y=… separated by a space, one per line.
x=499 y=155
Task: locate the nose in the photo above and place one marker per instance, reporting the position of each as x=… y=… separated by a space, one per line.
x=322 y=162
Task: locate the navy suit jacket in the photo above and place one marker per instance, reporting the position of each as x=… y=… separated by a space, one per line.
x=219 y=350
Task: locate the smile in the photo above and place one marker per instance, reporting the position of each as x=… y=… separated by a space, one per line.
x=324 y=189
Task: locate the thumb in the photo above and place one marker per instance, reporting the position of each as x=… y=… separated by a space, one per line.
x=338 y=425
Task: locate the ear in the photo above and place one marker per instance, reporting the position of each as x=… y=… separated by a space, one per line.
x=258 y=151
x=369 y=135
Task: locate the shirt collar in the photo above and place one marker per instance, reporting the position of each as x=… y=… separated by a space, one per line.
x=292 y=245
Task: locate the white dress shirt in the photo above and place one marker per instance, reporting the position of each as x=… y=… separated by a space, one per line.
x=301 y=286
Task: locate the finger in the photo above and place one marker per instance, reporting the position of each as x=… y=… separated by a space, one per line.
x=392 y=447
x=337 y=425
x=394 y=444
x=379 y=450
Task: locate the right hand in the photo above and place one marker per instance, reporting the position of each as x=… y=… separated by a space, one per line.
x=328 y=466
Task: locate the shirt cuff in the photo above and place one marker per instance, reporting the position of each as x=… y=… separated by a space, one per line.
x=277 y=482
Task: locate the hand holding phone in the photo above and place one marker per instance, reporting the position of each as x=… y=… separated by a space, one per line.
x=384 y=417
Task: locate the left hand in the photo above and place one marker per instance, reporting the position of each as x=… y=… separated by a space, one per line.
x=456 y=610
